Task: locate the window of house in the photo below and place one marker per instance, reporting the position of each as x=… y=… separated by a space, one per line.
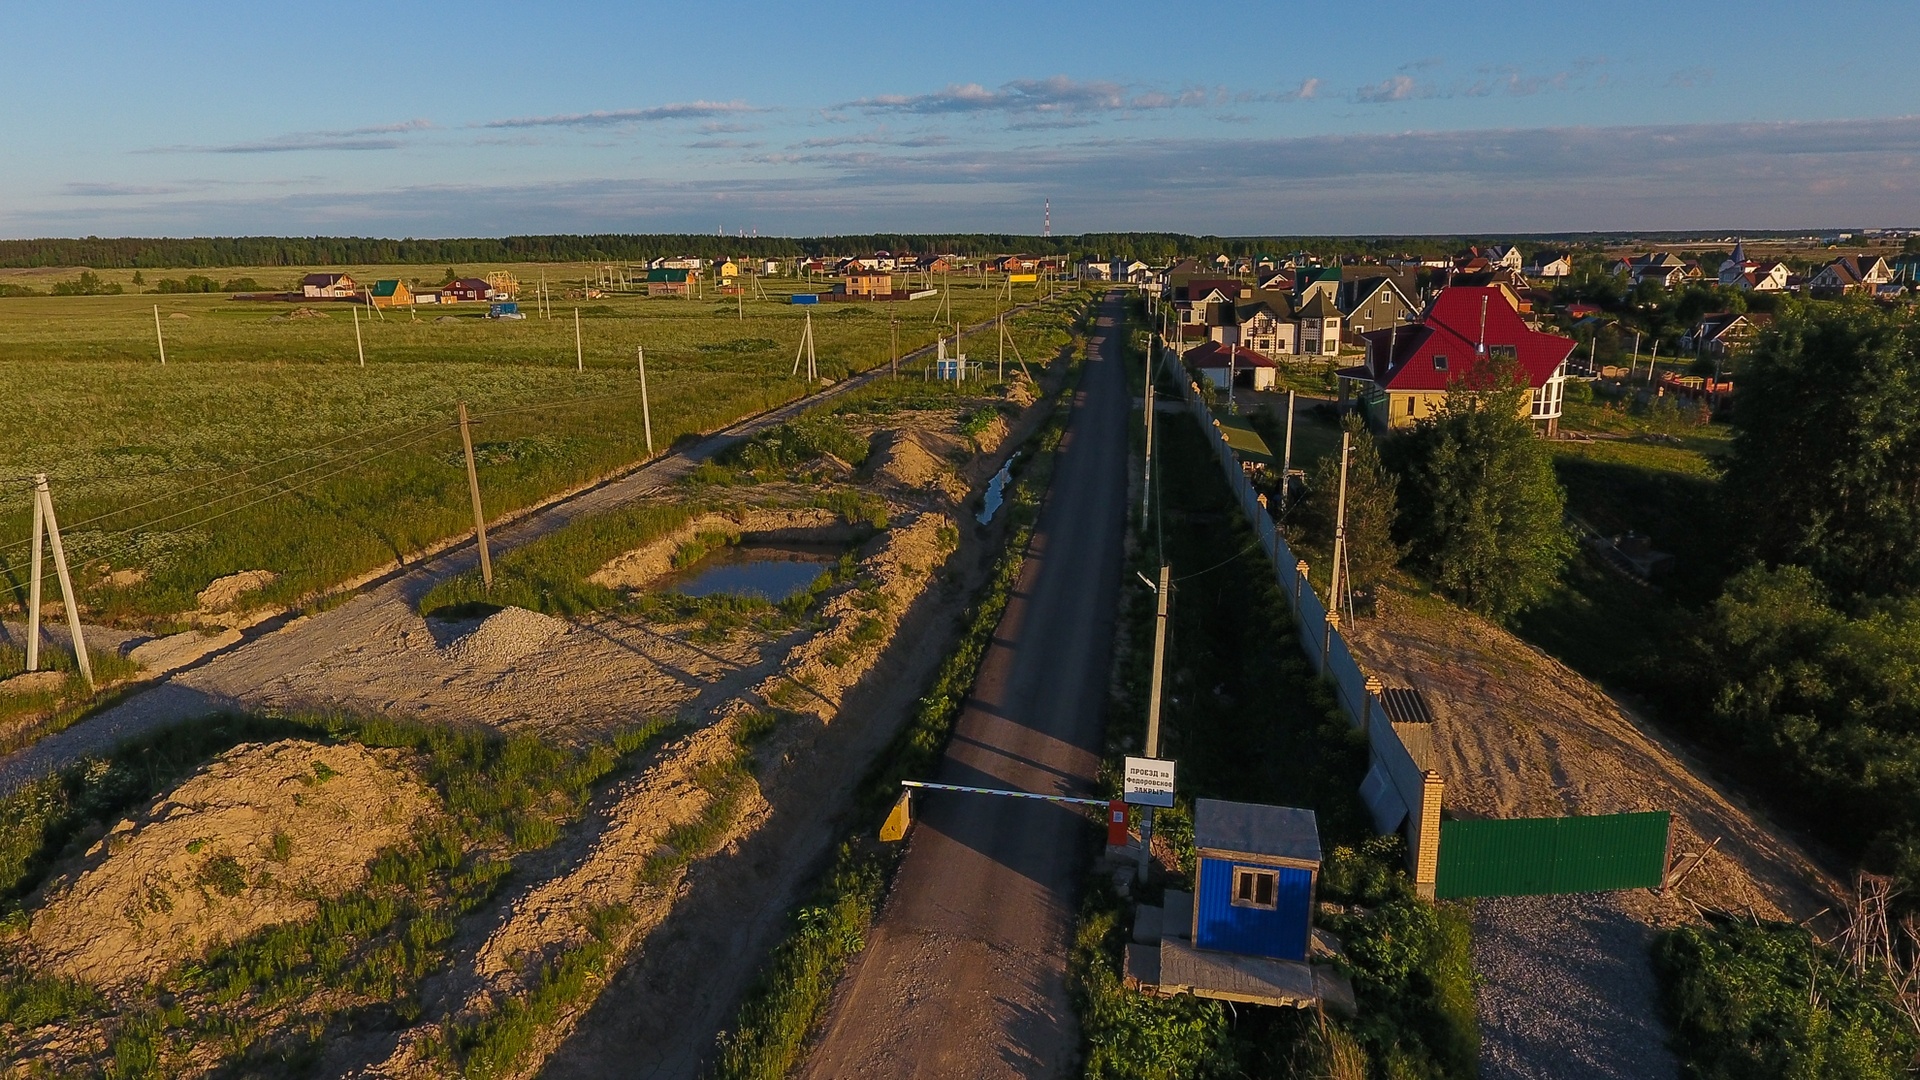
x=1255 y=888
x=1503 y=352
x=1440 y=362
x=1409 y=406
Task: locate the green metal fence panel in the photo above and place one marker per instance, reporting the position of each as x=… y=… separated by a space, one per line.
x=1539 y=856
x=1611 y=851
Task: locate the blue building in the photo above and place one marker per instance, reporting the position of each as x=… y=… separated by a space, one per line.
x=1259 y=868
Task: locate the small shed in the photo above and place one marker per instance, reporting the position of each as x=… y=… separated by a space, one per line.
x=669 y=281
x=391 y=293
x=1259 y=869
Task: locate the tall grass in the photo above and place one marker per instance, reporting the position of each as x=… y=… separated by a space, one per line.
x=324 y=496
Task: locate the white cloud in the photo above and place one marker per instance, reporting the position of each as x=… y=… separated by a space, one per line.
x=360 y=138
x=682 y=110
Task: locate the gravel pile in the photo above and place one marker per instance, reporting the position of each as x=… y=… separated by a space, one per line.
x=1567 y=991
x=504 y=637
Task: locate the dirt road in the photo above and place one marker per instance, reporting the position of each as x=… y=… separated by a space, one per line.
x=965 y=971
x=235 y=677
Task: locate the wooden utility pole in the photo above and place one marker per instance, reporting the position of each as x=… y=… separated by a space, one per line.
x=1161 y=592
x=479 y=515
x=1339 y=528
x=1286 y=458
x=158 y=336
x=579 y=356
x=646 y=411
x=43 y=513
x=893 y=326
x=806 y=353
x=357 y=343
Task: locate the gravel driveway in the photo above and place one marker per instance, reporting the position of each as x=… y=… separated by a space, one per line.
x=1567 y=991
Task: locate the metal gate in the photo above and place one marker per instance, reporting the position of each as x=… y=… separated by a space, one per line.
x=1538 y=856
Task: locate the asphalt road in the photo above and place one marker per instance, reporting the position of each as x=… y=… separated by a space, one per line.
x=964 y=974
x=230 y=678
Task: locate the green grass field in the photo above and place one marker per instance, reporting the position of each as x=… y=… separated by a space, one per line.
x=262 y=444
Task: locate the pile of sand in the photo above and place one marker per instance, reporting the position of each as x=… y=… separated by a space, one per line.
x=303 y=313
x=179 y=315
x=1020 y=390
x=224 y=592
x=253 y=839
x=916 y=459
x=503 y=637
x=33 y=682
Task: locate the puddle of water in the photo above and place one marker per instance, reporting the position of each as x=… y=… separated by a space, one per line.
x=996 y=493
x=770 y=573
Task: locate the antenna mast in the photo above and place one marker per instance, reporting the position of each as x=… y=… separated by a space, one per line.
x=1046 y=220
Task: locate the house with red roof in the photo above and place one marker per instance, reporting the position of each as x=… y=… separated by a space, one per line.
x=1409 y=369
x=1243 y=367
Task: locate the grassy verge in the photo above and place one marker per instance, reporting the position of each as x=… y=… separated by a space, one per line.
x=29 y=715
x=269 y=1000
x=770 y=1030
x=1248 y=720
x=1750 y=1002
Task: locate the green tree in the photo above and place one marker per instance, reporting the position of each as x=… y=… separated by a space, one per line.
x=1373 y=502
x=1825 y=468
x=1483 y=509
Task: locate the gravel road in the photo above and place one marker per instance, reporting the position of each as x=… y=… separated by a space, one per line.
x=965 y=971
x=1567 y=991
x=233 y=677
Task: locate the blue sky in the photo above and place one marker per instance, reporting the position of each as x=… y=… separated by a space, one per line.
x=425 y=120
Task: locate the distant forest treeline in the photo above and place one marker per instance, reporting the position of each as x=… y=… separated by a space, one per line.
x=160 y=253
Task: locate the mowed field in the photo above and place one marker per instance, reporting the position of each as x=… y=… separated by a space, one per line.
x=262 y=444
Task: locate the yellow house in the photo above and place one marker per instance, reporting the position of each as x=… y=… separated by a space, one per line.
x=391 y=293
x=725 y=270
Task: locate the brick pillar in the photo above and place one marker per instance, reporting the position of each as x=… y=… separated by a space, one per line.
x=1423 y=835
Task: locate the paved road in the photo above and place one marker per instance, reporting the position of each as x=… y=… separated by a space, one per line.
x=965 y=971
x=227 y=679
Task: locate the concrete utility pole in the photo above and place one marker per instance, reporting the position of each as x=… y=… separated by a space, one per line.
x=1161 y=593
x=44 y=519
x=893 y=327
x=1286 y=458
x=1146 y=477
x=579 y=356
x=479 y=515
x=646 y=411
x=158 y=336
x=1339 y=528
x=358 y=345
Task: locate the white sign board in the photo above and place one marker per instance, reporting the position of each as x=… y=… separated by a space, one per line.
x=1149 y=782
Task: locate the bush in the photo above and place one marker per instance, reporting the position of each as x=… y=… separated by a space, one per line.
x=1749 y=1002
x=87 y=284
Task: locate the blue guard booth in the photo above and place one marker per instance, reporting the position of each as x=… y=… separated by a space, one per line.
x=1259 y=869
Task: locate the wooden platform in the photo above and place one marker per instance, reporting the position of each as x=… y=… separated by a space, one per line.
x=1163 y=962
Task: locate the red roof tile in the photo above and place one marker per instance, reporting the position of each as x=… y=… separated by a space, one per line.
x=1451 y=329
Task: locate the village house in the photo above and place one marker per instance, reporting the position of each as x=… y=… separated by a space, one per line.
x=328 y=287
x=391 y=293
x=669 y=281
x=1265 y=323
x=1320 y=322
x=465 y=290
x=1094 y=270
x=725 y=270
x=1724 y=333
x=1850 y=274
x=1204 y=303
x=1374 y=303
x=1132 y=271
x=1670 y=271
x=1223 y=364
x=871 y=284
x=1508 y=257
x=1750 y=275
x=1407 y=371
x=1551 y=264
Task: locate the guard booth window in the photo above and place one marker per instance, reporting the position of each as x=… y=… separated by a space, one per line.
x=1254 y=888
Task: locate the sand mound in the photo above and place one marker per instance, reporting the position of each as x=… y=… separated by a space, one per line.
x=303 y=313
x=503 y=637
x=33 y=682
x=226 y=591
x=251 y=840
x=914 y=458
x=1020 y=390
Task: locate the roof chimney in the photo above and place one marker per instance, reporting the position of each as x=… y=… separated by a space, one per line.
x=1481 y=348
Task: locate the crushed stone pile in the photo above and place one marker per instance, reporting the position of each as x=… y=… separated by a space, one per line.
x=504 y=637
x=251 y=840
